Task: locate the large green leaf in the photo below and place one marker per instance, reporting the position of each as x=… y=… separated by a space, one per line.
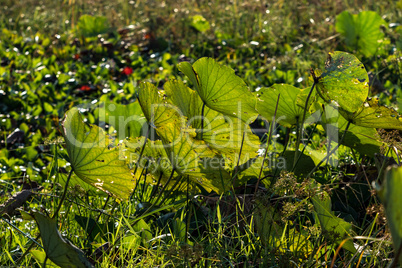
x=154 y=158
x=127 y=120
x=336 y=228
x=288 y=113
x=93 y=157
x=194 y=158
x=156 y=109
x=40 y=256
x=390 y=194
x=345 y=82
x=373 y=115
x=222 y=133
x=57 y=249
x=365 y=140
x=361 y=31
x=220 y=89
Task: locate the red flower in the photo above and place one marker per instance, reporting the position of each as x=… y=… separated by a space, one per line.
x=85 y=88
x=77 y=56
x=127 y=70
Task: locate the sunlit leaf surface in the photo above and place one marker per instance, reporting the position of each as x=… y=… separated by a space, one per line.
x=127 y=120
x=361 y=31
x=220 y=89
x=93 y=157
x=365 y=140
x=288 y=113
x=344 y=83
x=373 y=115
x=222 y=133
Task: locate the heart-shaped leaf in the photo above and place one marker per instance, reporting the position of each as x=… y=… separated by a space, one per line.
x=57 y=249
x=93 y=157
x=345 y=82
x=220 y=89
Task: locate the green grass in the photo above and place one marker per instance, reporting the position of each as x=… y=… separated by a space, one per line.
x=41 y=75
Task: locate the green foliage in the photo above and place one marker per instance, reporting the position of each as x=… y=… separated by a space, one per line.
x=200 y=23
x=93 y=157
x=220 y=89
x=57 y=249
x=362 y=31
x=336 y=228
x=203 y=193
x=127 y=120
x=345 y=82
x=92 y=26
x=390 y=195
x=288 y=113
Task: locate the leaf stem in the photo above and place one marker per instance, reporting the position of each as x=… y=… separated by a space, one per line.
x=64 y=194
x=300 y=130
x=142 y=149
x=97 y=219
x=238 y=160
x=269 y=139
x=19 y=230
x=328 y=155
x=202 y=120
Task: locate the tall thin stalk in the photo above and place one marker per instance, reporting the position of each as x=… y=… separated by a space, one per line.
x=202 y=120
x=329 y=154
x=64 y=194
x=268 y=141
x=300 y=131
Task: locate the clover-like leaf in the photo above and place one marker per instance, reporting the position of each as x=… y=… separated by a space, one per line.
x=57 y=249
x=345 y=82
x=288 y=113
x=338 y=228
x=361 y=31
x=93 y=157
x=220 y=89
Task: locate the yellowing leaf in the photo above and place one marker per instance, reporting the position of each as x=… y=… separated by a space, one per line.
x=93 y=157
x=222 y=133
x=194 y=158
x=156 y=109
